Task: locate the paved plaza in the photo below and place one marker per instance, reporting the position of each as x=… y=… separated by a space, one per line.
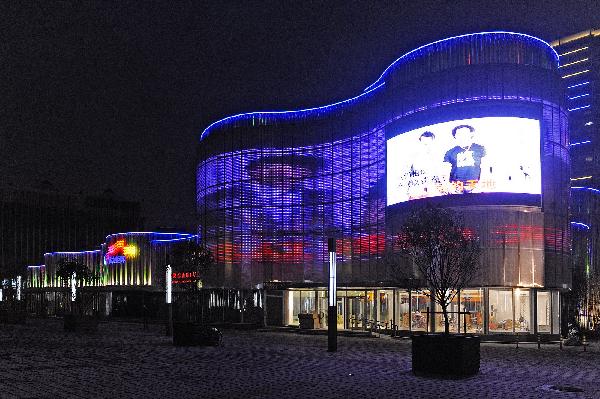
x=39 y=360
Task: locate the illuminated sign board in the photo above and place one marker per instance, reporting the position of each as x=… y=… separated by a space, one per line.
x=184 y=277
x=119 y=252
x=477 y=155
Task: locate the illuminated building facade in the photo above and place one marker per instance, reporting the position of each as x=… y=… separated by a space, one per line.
x=580 y=71
x=125 y=265
x=486 y=110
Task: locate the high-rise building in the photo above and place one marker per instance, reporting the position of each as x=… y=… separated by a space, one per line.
x=33 y=222
x=579 y=56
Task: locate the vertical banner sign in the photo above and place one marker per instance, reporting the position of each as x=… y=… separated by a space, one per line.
x=73 y=287
x=169 y=284
x=18 y=288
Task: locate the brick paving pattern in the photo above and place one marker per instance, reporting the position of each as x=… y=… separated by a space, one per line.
x=123 y=360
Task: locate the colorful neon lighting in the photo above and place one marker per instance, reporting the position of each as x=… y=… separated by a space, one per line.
x=119 y=252
x=414 y=52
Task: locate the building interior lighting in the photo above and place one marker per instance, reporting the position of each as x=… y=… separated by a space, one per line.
x=575 y=73
x=581 y=178
x=573 y=51
x=589 y=123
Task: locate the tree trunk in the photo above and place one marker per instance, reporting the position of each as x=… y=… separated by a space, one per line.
x=446 y=321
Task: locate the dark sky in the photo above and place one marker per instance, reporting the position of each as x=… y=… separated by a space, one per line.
x=115 y=94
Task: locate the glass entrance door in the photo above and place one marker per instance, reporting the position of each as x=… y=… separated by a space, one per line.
x=356 y=306
x=340 y=313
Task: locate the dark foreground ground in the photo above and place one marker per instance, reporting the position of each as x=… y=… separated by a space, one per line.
x=39 y=360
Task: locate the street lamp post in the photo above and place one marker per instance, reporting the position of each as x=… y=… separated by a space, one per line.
x=168 y=300
x=332 y=311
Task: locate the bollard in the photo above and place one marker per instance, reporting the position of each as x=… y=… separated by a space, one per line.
x=561 y=342
x=584 y=343
x=517 y=336
x=538 y=341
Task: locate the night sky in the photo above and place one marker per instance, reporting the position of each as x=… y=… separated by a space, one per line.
x=98 y=95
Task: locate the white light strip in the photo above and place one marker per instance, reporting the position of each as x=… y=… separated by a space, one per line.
x=577 y=85
x=573 y=63
x=581 y=178
x=575 y=74
x=168 y=284
x=579 y=96
x=578 y=108
x=332 y=278
x=573 y=51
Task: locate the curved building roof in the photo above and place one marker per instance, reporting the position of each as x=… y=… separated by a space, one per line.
x=460 y=50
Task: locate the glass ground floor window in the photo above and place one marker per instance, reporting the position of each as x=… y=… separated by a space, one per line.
x=473 y=310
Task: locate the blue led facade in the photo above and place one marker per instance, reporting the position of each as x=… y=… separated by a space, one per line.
x=272 y=186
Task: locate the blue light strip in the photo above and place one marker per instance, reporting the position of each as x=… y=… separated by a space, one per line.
x=579 y=224
x=581 y=142
x=174 y=239
x=147 y=233
x=72 y=252
x=374 y=86
x=403 y=57
x=594 y=190
x=579 y=96
x=577 y=85
x=260 y=114
x=36 y=267
x=578 y=108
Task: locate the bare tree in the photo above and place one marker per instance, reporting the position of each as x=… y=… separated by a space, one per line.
x=444 y=251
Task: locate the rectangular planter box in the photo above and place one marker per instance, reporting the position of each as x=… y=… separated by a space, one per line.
x=83 y=324
x=307 y=321
x=450 y=356
x=194 y=334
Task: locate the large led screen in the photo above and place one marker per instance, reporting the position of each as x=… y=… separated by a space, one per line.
x=478 y=155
